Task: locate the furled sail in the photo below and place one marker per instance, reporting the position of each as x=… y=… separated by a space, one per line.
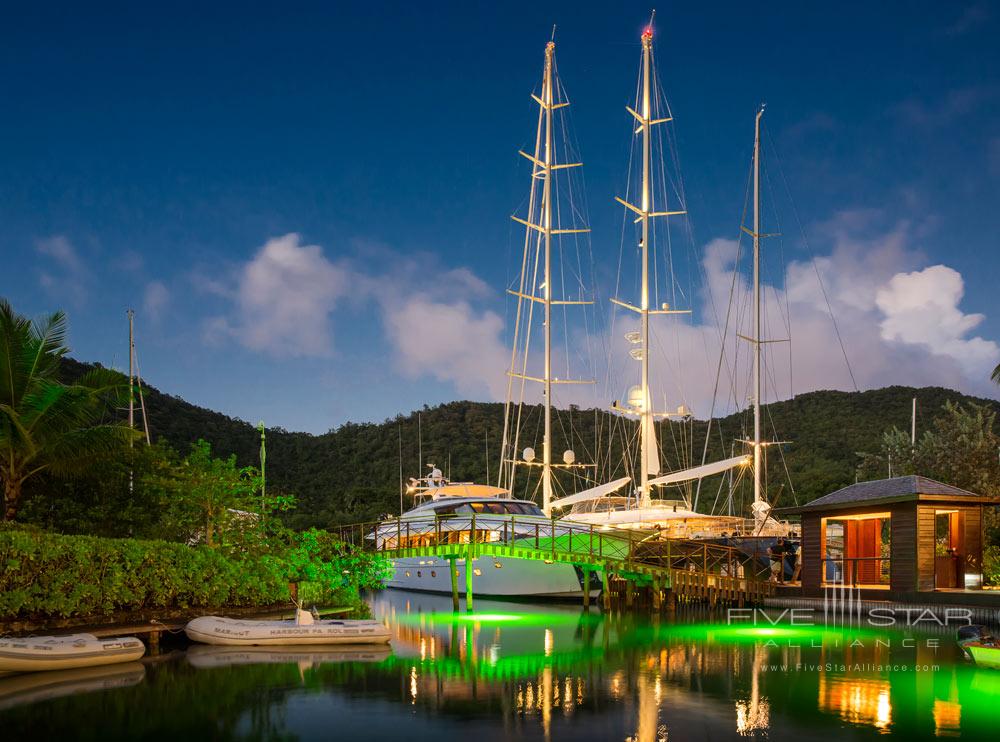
x=652 y=449
x=699 y=472
x=592 y=494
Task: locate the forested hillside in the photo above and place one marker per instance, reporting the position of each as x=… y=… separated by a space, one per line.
x=353 y=472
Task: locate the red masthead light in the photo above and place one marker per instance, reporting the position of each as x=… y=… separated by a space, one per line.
x=648 y=33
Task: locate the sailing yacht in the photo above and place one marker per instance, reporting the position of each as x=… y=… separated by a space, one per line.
x=673 y=518
x=443 y=502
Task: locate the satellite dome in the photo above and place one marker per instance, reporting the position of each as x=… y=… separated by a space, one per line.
x=529 y=454
x=568 y=456
x=635 y=398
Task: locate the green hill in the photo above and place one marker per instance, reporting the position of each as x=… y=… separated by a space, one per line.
x=352 y=473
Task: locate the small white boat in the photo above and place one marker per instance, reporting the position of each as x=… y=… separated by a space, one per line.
x=66 y=652
x=304 y=629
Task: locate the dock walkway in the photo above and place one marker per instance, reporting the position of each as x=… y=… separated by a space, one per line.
x=674 y=569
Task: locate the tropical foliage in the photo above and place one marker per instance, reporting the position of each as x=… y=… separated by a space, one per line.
x=352 y=473
x=45 y=424
x=50 y=575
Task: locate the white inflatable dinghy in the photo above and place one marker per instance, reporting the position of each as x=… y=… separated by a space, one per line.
x=67 y=652
x=304 y=629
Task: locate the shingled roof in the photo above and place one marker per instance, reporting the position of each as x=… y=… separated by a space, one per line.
x=896 y=489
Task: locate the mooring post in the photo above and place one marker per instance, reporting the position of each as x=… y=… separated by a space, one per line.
x=453 y=567
x=468 y=578
x=586 y=588
x=153 y=639
x=657 y=603
x=629 y=594
x=605 y=589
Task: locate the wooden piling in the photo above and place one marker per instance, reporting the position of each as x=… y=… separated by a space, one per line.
x=468 y=578
x=605 y=589
x=586 y=588
x=453 y=567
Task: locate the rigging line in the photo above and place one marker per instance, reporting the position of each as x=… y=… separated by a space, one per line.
x=722 y=346
x=787 y=316
x=819 y=278
x=532 y=197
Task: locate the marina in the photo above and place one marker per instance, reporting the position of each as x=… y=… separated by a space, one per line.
x=694 y=330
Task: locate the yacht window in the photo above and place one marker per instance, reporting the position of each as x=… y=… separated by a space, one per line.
x=463 y=508
x=497 y=508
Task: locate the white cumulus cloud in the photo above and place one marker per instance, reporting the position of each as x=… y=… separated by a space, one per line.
x=283 y=300
x=921 y=308
x=155 y=299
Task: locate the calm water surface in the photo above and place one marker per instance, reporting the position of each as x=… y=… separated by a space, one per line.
x=521 y=671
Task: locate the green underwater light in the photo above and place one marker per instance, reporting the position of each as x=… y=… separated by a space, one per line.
x=486 y=617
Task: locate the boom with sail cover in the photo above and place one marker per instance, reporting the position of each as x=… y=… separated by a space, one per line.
x=700 y=472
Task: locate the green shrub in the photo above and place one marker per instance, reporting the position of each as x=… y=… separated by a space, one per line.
x=49 y=575
x=991 y=565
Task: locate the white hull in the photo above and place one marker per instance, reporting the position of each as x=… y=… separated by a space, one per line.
x=231 y=632
x=66 y=652
x=512 y=578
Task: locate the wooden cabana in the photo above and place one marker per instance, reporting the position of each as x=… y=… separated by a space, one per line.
x=902 y=535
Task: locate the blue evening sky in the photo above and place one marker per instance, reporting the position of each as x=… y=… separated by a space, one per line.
x=149 y=152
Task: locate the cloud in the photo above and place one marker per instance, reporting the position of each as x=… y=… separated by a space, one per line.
x=897 y=321
x=941 y=112
x=283 y=300
x=66 y=276
x=972 y=16
x=449 y=341
x=921 y=308
x=155 y=299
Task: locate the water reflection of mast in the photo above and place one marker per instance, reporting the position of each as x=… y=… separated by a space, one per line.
x=756 y=713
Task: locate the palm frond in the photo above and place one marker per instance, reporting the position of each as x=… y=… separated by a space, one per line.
x=995 y=376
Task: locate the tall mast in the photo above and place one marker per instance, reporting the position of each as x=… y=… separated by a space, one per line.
x=642 y=408
x=757 y=443
x=547 y=155
x=540 y=228
x=647 y=442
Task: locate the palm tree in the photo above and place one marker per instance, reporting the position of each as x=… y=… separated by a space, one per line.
x=45 y=425
x=996 y=375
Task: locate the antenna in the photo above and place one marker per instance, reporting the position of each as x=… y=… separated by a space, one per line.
x=400 y=431
x=913 y=425
x=263 y=473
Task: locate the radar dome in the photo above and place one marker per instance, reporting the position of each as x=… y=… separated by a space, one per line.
x=635 y=399
x=568 y=456
x=529 y=454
